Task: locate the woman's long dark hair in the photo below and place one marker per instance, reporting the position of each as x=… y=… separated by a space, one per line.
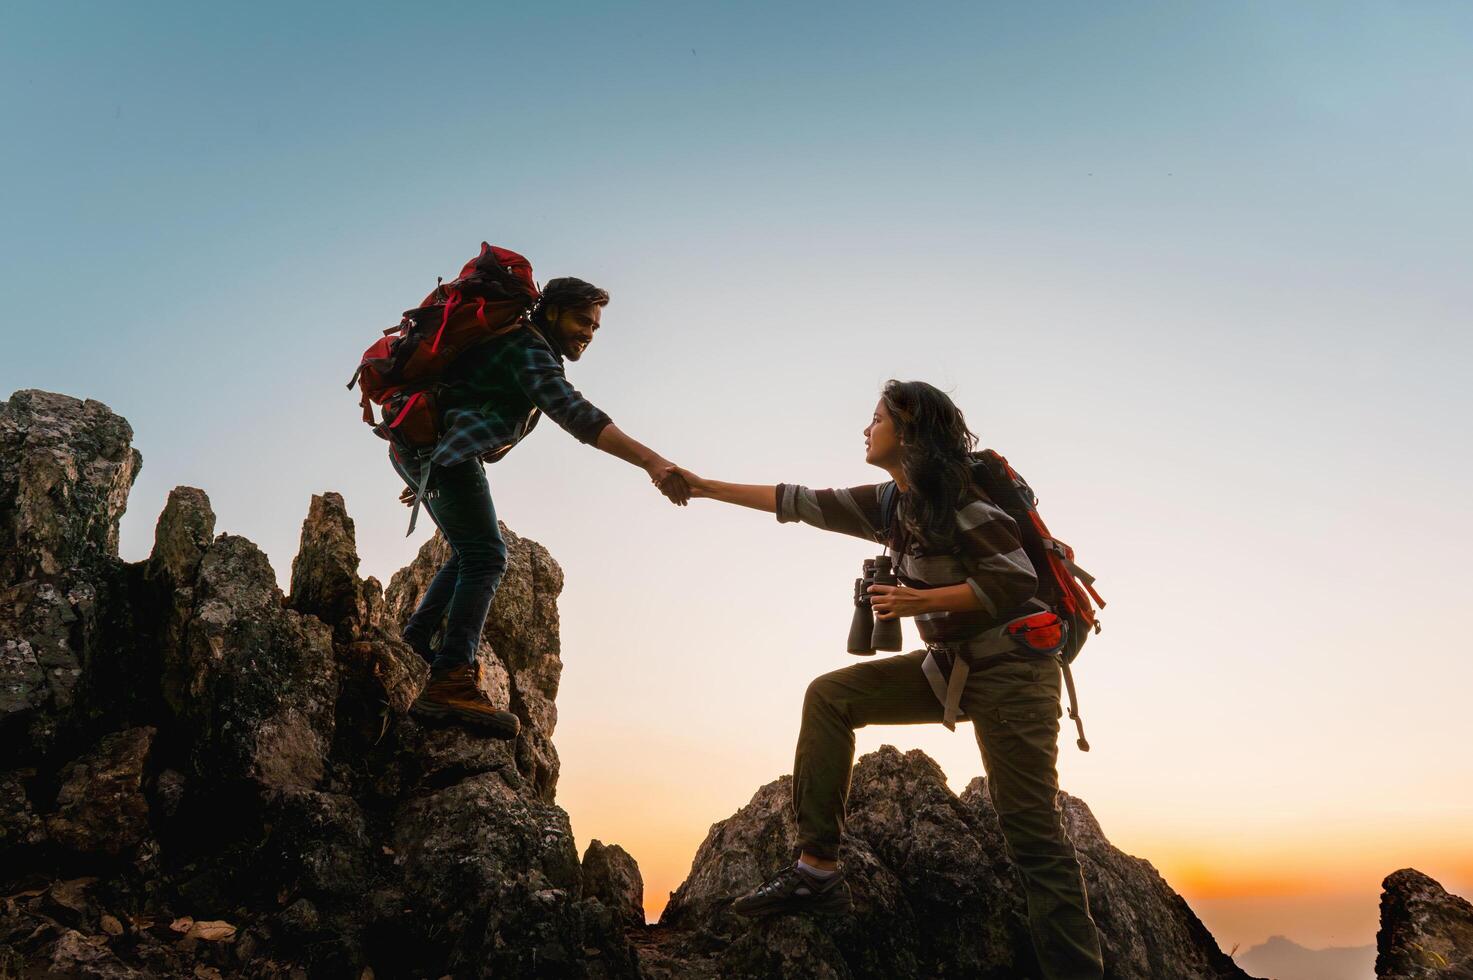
x=935 y=448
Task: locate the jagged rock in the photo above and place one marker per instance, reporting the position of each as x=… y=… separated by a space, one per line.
x=880 y=937
x=65 y=471
x=22 y=681
x=19 y=824
x=612 y=876
x=325 y=579
x=963 y=893
x=315 y=870
x=379 y=679
x=101 y=808
x=1426 y=933
x=257 y=682
x=495 y=876
x=524 y=642
x=185 y=528
x=1146 y=928
x=445 y=754
x=46 y=631
x=66 y=467
x=321 y=843
x=935 y=893
x=76 y=955
x=379 y=675
x=47 y=616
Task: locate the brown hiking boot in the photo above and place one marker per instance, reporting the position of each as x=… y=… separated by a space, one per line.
x=455 y=695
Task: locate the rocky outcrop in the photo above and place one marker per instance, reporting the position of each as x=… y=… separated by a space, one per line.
x=1146 y=928
x=934 y=890
x=202 y=777
x=66 y=467
x=325 y=579
x=259 y=680
x=612 y=876
x=521 y=658
x=101 y=808
x=1426 y=933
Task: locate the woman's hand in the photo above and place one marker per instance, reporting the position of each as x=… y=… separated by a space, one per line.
x=698 y=486
x=893 y=601
x=406 y=497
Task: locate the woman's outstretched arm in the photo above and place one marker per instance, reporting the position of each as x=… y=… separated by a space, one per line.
x=754 y=495
x=856 y=511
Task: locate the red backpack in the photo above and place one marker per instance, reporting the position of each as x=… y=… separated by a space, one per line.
x=1063 y=586
x=401 y=371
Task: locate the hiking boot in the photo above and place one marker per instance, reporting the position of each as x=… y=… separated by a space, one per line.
x=792 y=890
x=454 y=694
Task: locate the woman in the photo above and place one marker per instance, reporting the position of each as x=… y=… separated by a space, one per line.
x=963 y=571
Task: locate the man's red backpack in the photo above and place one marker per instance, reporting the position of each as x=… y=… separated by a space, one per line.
x=401 y=371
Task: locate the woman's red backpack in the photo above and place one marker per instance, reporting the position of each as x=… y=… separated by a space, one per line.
x=1063 y=586
x=401 y=371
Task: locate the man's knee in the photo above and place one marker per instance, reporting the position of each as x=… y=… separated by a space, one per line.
x=482 y=558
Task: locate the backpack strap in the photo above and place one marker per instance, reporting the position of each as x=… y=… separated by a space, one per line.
x=888 y=496
x=1082 y=742
x=419 y=493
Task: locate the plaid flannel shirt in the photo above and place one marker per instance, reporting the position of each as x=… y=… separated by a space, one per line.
x=495 y=393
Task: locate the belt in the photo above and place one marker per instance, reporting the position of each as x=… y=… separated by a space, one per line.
x=948 y=665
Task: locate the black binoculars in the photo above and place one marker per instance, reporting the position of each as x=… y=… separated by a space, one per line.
x=866 y=635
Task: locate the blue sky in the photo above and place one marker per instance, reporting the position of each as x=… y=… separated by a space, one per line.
x=1200 y=270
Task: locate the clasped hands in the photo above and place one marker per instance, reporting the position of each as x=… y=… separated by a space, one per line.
x=670 y=480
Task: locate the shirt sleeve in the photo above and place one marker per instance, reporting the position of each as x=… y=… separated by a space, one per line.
x=857 y=511
x=540 y=375
x=998 y=569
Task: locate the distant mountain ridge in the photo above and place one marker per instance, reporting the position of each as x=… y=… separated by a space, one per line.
x=1284 y=959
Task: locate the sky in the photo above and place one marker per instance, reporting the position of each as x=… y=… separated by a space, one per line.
x=1198 y=270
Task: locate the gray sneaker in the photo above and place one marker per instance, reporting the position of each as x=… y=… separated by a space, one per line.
x=791 y=890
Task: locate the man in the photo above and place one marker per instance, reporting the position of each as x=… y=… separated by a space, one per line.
x=494 y=395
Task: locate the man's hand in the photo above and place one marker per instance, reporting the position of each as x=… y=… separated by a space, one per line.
x=893 y=601
x=666 y=476
x=406 y=497
x=698 y=486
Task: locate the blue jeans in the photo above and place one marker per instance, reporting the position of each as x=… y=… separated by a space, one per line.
x=461 y=591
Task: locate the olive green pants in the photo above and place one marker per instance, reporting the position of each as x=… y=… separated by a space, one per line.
x=1014 y=708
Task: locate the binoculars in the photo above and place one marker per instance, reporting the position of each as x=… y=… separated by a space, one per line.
x=866 y=635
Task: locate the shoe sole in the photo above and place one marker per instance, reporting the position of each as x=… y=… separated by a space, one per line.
x=817 y=907
x=492 y=727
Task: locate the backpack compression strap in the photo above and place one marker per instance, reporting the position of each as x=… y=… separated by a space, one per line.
x=419 y=493
x=1082 y=742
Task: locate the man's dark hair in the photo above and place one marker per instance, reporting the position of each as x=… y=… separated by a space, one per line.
x=566 y=292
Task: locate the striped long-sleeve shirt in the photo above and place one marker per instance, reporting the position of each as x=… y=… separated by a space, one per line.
x=496 y=392
x=989 y=558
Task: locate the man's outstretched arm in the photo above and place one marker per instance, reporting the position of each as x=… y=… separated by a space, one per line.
x=541 y=377
x=662 y=472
